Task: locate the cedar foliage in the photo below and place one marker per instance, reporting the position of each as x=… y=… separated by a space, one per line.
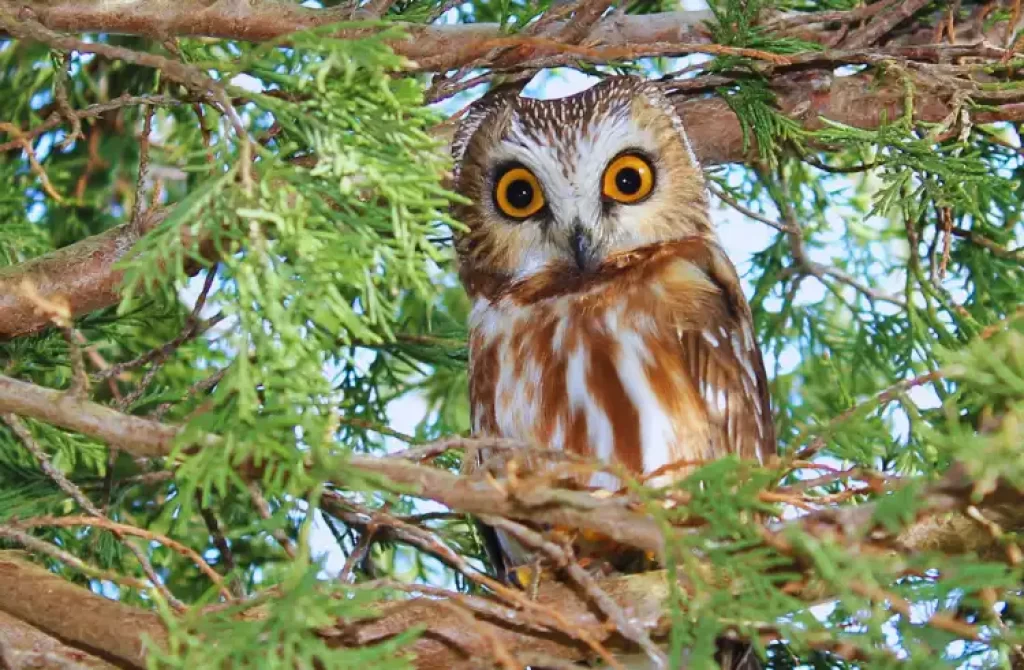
x=887 y=305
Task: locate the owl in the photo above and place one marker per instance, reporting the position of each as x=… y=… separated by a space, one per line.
x=606 y=320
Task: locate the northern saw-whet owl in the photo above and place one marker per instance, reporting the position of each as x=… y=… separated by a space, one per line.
x=606 y=319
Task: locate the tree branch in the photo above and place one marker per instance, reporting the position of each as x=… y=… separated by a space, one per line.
x=611 y=517
x=269 y=19
x=133 y=434
x=24 y=647
x=105 y=628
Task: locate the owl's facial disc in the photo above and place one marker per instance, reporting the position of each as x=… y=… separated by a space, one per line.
x=578 y=197
x=572 y=182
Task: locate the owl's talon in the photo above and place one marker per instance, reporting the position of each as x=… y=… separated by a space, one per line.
x=528 y=578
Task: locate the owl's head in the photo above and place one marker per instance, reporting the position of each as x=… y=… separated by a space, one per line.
x=571 y=182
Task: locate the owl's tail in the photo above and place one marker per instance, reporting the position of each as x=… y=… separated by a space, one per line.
x=736 y=655
x=732 y=655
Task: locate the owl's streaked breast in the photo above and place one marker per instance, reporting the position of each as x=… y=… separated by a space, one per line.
x=597 y=374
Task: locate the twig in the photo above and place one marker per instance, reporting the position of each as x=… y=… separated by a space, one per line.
x=35 y=544
x=477 y=604
x=60 y=95
x=443 y=9
x=427 y=541
x=498 y=649
x=430 y=451
x=745 y=211
x=147 y=129
x=946 y=218
x=568 y=53
x=121 y=529
x=939 y=620
x=263 y=509
x=882 y=24
x=199 y=387
x=92 y=111
x=37 y=168
x=83 y=501
x=1013 y=551
x=587 y=13
x=837 y=16
x=363 y=424
x=219 y=541
x=359 y=552
x=374 y=9
x=163 y=351
x=191 y=77
x=79 y=377
x=994 y=247
x=880 y=399
x=803 y=263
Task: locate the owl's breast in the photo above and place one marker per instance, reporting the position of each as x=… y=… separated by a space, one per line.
x=597 y=377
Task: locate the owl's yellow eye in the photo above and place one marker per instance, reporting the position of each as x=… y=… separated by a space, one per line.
x=628 y=179
x=518 y=193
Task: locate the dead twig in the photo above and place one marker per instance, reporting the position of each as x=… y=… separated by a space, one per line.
x=60 y=95
x=122 y=529
x=66 y=485
x=92 y=111
x=147 y=130
x=427 y=541
x=896 y=12
x=263 y=510
x=33 y=160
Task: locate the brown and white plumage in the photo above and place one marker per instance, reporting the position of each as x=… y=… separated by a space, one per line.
x=603 y=323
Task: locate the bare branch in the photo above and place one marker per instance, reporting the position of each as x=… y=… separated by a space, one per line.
x=270 y=19
x=42 y=599
x=25 y=647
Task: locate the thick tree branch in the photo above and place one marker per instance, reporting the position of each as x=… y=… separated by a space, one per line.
x=25 y=647
x=82 y=275
x=135 y=435
x=269 y=19
x=105 y=628
x=941 y=526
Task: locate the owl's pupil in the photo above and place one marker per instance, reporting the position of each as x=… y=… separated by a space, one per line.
x=520 y=194
x=628 y=180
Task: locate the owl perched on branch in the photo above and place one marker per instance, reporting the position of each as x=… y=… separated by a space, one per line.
x=607 y=321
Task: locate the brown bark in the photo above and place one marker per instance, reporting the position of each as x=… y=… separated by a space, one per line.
x=24 y=647
x=134 y=434
x=76 y=616
x=82 y=275
x=268 y=19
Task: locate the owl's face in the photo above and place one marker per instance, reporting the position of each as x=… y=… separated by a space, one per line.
x=574 y=181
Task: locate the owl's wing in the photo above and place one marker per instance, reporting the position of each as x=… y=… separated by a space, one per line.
x=725 y=366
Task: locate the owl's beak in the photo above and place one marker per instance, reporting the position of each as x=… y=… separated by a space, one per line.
x=583 y=247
